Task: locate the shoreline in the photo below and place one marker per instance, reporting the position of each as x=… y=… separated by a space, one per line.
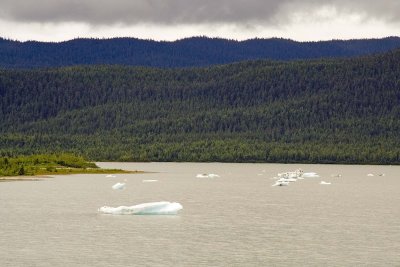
x=23 y=178
x=41 y=177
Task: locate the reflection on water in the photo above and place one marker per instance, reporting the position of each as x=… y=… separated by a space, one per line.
x=236 y=219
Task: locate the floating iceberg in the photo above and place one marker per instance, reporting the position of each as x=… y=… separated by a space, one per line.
x=291 y=175
x=110 y=176
x=310 y=175
x=285 y=177
x=370 y=174
x=205 y=175
x=324 y=183
x=152 y=208
x=119 y=186
x=281 y=183
x=149 y=181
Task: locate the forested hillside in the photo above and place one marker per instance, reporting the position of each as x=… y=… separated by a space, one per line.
x=326 y=111
x=190 y=52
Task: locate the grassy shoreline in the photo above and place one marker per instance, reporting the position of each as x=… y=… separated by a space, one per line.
x=36 y=167
x=23 y=178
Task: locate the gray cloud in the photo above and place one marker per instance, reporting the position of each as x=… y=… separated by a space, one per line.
x=102 y=12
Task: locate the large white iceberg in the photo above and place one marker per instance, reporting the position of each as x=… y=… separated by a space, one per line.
x=152 y=208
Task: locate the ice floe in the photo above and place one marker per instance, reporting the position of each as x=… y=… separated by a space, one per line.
x=324 y=183
x=119 y=186
x=149 y=181
x=370 y=174
x=152 y=208
x=281 y=183
x=110 y=176
x=205 y=175
x=310 y=175
x=284 y=178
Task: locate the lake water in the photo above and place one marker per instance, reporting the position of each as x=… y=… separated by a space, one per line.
x=237 y=219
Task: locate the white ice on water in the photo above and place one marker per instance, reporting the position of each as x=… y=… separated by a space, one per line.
x=370 y=174
x=281 y=183
x=310 y=175
x=285 y=177
x=324 y=183
x=110 y=176
x=149 y=181
x=119 y=186
x=152 y=208
x=205 y=175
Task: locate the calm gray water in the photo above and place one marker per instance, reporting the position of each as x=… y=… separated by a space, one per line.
x=237 y=219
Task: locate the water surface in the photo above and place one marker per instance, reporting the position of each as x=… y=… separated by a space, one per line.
x=237 y=219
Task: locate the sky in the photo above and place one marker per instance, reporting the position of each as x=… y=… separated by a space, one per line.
x=301 y=20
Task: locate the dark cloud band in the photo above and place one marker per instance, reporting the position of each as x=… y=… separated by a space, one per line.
x=100 y=12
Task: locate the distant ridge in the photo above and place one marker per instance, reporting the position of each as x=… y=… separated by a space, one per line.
x=189 y=52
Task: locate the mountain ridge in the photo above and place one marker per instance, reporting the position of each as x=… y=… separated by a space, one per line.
x=188 y=52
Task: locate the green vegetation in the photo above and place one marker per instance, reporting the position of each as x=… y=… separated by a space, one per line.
x=325 y=111
x=189 y=52
x=48 y=165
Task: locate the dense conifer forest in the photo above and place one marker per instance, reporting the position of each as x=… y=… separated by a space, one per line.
x=190 y=52
x=321 y=111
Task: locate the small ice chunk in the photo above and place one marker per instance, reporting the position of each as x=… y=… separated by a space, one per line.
x=152 y=208
x=281 y=183
x=110 y=176
x=310 y=175
x=119 y=186
x=370 y=174
x=149 y=181
x=205 y=175
x=324 y=183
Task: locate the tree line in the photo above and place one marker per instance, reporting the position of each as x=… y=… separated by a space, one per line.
x=189 y=52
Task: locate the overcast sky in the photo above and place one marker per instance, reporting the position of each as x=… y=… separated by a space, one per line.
x=303 y=20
